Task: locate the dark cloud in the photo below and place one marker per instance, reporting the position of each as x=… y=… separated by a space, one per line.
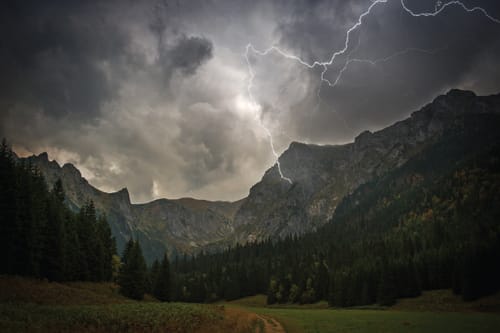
x=189 y=53
x=152 y=94
x=52 y=58
x=186 y=54
x=368 y=96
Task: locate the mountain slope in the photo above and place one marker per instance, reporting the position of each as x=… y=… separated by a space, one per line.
x=431 y=223
x=181 y=225
x=323 y=175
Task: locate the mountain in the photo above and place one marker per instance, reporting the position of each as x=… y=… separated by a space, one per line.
x=179 y=226
x=431 y=223
x=322 y=177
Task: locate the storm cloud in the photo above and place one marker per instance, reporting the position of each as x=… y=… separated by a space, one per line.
x=152 y=95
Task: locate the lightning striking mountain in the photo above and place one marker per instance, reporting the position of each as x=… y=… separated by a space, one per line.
x=438 y=9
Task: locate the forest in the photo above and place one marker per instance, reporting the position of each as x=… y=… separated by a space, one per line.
x=41 y=237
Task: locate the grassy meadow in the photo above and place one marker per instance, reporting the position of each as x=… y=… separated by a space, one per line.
x=436 y=311
x=377 y=321
x=29 y=305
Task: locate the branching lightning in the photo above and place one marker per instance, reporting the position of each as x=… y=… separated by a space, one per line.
x=256 y=105
x=438 y=9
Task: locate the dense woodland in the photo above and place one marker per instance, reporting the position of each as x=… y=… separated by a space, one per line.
x=432 y=223
x=41 y=237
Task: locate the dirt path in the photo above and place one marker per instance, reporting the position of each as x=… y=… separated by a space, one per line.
x=271 y=325
x=238 y=319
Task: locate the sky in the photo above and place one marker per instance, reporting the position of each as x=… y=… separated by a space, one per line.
x=154 y=95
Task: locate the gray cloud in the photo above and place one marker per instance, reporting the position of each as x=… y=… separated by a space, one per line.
x=185 y=55
x=189 y=53
x=152 y=95
x=371 y=96
x=53 y=59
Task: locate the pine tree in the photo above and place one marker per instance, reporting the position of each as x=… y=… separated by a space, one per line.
x=54 y=235
x=162 y=284
x=132 y=277
x=153 y=276
x=387 y=287
x=107 y=246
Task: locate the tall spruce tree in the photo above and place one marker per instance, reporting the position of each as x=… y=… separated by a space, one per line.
x=162 y=284
x=132 y=277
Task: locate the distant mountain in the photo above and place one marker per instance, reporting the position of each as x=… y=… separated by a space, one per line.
x=431 y=223
x=322 y=176
x=181 y=226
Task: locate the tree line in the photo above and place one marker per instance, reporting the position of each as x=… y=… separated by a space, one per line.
x=41 y=237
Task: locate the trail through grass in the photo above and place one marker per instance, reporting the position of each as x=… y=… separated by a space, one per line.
x=377 y=321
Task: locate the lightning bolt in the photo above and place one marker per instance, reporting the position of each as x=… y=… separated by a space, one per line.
x=438 y=9
x=258 y=107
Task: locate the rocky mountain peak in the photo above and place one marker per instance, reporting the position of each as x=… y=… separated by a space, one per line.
x=458 y=93
x=43 y=156
x=71 y=170
x=122 y=195
x=323 y=175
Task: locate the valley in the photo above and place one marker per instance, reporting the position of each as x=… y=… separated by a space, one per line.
x=395 y=232
x=234 y=166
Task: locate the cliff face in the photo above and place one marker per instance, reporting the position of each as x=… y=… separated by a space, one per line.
x=323 y=175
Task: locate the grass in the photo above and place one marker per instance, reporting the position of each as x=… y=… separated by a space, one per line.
x=446 y=301
x=434 y=311
x=30 y=305
x=26 y=290
x=127 y=317
x=374 y=321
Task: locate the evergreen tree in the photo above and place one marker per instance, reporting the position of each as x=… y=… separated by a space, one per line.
x=162 y=283
x=40 y=236
x=387 y=288
x=133 y=273
x=153 y=276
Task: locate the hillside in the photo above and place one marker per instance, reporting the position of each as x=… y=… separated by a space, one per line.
x=181 y=225
x=431 y=223
x=322 y=177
